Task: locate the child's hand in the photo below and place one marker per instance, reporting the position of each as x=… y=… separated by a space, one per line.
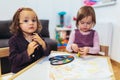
x=75 y=47
x=39 y=40
x=31 y=47
x=83 y=51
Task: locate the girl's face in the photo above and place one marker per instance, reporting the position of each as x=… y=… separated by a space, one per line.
x=85 y=24
x=28 y=22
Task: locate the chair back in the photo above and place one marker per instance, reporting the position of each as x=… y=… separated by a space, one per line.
x=104 y=30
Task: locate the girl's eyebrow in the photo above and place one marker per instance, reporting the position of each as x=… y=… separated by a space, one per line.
x=34 y=17
x=86 y=21
x=29 y=18
x=25 y=18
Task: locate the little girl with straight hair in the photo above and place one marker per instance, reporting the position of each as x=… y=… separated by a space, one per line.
x=84 y=39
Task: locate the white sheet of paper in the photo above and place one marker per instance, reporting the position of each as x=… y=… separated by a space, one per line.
x=87 y=68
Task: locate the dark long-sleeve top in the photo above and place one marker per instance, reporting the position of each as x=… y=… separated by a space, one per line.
x=18 y=57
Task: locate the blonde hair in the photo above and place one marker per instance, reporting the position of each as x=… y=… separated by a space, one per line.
x=86 y=11
x=14 y=28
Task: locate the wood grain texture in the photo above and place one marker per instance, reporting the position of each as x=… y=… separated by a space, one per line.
x=4 y=52
x=116 y=69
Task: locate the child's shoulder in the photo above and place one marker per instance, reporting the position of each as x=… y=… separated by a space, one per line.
x=92 y=30
x=14 y=37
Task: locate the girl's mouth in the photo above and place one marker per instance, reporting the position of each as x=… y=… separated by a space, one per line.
x=31 y=27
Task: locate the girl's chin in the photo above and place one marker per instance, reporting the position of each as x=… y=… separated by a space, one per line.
x=31 y=33
x=84 y=30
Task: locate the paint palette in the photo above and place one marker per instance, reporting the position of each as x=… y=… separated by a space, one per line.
x=61 y=59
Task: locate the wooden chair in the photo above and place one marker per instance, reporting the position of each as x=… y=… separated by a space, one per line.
x=4 y=52
x=104 y=50
x=0 y=71
x=105 y=32
x=4 y=63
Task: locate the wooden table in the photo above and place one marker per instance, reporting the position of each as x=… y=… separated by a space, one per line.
x=40 y=70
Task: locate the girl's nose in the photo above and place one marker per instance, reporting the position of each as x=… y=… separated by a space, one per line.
x=85 y=24
x=31 y=22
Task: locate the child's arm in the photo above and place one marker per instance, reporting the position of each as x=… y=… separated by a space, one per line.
x=96 y=47
x=17 y=57
x=39 y=40
x=31 y=47
x=70 y=42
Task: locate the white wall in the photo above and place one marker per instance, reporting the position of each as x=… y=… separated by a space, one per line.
x=111 y=14
x=48 y=9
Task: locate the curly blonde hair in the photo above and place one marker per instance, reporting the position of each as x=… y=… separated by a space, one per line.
x=14 y=28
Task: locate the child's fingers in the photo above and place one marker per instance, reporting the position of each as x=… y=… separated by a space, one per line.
x=36 y=37
x=75 y=49
x=81 y=49
x=31 y=47
x=33 y=44
x=36 y=46
x=34 y=33
x=81 y=53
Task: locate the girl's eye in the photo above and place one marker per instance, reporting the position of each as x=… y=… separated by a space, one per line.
x=34 y=20
x=81 y=22
x=25 y=20
x=88 y=23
